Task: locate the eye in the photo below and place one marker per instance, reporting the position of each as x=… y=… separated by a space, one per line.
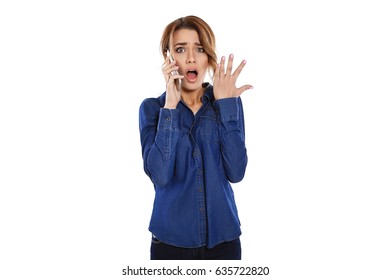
x=180 y=50
x=200 y=50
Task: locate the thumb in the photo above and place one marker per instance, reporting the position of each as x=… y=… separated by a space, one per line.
x=240 y=90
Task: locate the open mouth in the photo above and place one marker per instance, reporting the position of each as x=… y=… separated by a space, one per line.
x=191 y=75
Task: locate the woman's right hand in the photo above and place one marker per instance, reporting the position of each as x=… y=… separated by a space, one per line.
x=173 y=95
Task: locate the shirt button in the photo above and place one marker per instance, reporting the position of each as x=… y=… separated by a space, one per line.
x=167 y=118
x=200 y=190
x=201 y=209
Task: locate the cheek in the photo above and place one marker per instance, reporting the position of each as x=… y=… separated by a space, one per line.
x=204 y=64
x=202 y=73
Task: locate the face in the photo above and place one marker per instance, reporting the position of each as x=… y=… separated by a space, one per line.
x=190 y=57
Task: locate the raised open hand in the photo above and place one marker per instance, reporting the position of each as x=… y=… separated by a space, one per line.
x=225 y=82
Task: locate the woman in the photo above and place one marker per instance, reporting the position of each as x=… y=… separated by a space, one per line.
x=193 y=145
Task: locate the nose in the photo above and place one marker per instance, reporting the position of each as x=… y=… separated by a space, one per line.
x=190 y=57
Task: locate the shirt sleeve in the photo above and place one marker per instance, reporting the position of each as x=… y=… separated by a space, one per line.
x=159 y=132
x=234 y=154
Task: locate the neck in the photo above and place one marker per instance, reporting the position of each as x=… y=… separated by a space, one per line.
x=193 y=99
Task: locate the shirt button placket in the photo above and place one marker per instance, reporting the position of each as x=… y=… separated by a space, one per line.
x=200 y=195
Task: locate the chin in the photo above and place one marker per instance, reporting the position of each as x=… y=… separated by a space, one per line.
x=195 y=86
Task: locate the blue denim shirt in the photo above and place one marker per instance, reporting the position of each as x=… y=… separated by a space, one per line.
x=191 y=159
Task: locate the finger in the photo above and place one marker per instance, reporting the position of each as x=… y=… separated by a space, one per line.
x=240 y=90
x=167 y=71
x=222 y=66
x=172 y=78
x=216 y=73
x=230 y=64
x=239 y=69
x=169 y=68
x=166 y=63
x=173 y=68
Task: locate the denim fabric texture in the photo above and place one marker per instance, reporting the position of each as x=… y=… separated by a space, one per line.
x=192 y=161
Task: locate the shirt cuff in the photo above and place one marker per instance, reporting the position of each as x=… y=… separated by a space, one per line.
x=227 y=108
x=169 y=119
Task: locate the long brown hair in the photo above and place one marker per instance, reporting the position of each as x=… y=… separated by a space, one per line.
x=205 y=33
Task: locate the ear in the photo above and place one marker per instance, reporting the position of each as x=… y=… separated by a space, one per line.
x=165 y=53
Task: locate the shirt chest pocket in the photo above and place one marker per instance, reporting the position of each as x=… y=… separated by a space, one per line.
x=209 y=128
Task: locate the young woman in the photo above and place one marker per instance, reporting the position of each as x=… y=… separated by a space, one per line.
x=193 y=147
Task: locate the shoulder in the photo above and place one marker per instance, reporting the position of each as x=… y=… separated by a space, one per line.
x=153 y=103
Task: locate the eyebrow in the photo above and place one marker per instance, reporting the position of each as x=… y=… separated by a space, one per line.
x=185 y=44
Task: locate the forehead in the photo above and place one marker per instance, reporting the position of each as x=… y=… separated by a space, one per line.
x=185 y=36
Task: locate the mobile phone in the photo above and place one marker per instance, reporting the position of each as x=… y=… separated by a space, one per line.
x=177 y=81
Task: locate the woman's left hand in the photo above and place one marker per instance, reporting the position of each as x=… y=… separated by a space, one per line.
x=224 y=83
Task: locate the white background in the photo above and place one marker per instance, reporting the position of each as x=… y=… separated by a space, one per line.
x=75 y=202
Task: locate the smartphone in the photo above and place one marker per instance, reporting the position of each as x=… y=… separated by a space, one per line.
x=177 y=81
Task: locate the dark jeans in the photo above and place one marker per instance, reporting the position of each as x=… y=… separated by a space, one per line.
x=224 y=251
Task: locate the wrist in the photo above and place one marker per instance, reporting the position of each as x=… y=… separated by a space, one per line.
x=170 y=106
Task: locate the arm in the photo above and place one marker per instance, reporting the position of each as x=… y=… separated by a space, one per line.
x=231 y=116
x=229 y=106
x=159 y=134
